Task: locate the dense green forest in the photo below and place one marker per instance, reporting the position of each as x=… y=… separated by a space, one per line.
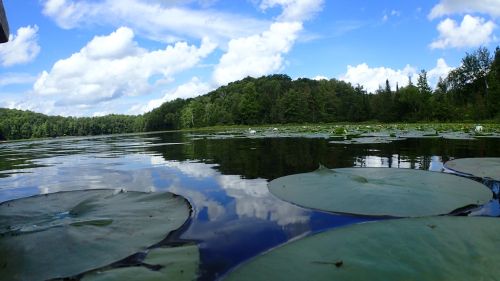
x=18 y=124
x=469 y=92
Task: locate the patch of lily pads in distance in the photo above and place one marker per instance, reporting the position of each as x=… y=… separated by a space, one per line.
x=356 y=133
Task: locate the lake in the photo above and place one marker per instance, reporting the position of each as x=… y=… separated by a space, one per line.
x=223 y=177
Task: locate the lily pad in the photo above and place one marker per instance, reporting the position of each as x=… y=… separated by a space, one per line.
x=438 y=248
x=456 y=136
x=415 y=134
x=67 y=233
x=380 y=191
x=477 y=167
x=178 y=263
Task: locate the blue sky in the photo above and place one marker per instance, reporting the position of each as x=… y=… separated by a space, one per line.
x=95 y=57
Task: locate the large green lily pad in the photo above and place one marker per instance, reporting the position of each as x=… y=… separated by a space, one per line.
x=438 y=248
x=380 y=191
x=477 y=167
x=178 y=263
x=64 y=234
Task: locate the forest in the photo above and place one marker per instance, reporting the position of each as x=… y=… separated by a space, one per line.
x=470 y=92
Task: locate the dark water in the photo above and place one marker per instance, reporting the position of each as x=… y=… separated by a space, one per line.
x=235 y=217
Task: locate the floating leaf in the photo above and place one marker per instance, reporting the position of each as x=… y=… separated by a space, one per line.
x=66 y=233
x=456 y=136
x=380 y=191
x=439 y=248
x=477 y=167
x=178 y=263
x=419 y=134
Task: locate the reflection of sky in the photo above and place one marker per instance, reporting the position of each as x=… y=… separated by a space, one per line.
x=233 y=218
x=397 y=161
x=250 y=197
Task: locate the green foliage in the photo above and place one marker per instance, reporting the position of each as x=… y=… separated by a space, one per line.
x=18 y=124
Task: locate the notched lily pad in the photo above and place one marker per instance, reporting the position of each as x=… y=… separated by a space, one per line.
x=380 y=191
x=456 y=248
x=477 y=167
x=67 y=233
x=177 y=263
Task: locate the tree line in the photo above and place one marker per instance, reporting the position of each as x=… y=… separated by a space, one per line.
x=469 y=92
x=19 y=124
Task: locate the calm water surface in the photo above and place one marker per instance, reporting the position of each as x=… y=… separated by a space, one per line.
x=234 y=215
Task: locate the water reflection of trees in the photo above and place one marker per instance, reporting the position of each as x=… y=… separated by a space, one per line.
x=270 y=158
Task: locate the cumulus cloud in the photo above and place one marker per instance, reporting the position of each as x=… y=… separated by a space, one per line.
x=193 y=88
x=294 y=10
x=29 y=103
x=112 y=66
x=21 y=48
x=472 y=32
x=263 y=53
x=448 y=7
x=441 y=70
x=158 y=20
x=373 y=78
x=257 y=55
x=320 y=77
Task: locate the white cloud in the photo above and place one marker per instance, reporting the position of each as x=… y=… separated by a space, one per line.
x=16 y=78
x=448 y=7
x=294 y=10
x=373 y=78
x=21 y=48
x=99 y=74
x=320 y=77
x=472 y=32
x=193 y=88
x=112 y=66
x=158 y=20
x=262 y=54
x=29 y=103
x=441 y=70
x=257 y=55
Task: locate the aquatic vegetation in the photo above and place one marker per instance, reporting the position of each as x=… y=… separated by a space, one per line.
x=380 y=191
x=481 y=167
x=353 y=131
x=63 y=234
x=436 y=248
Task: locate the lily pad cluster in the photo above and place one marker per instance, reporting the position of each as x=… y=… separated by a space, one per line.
x=67 y=233
x=420 y=245
x=357 y=134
